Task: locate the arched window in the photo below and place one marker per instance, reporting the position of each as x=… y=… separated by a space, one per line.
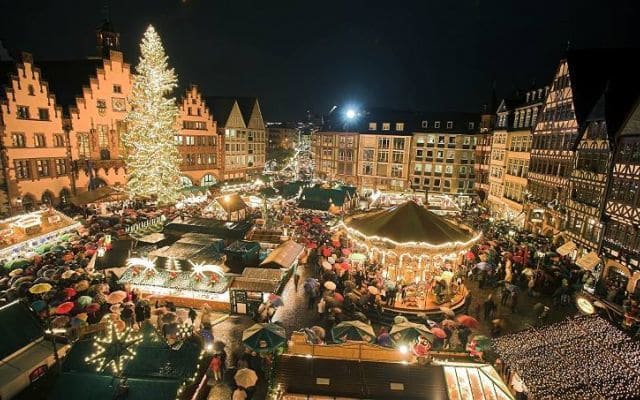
x=65 y=196
x=47 y=198
x=186 y=182
x=208 y=180
x=96 y=183
x=28 y=203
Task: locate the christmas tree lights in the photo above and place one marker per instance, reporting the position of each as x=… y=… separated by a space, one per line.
x=151 y=156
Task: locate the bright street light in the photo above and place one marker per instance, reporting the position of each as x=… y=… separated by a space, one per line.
x=351 y=113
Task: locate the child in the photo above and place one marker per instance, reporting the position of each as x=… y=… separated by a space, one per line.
x=216 y=367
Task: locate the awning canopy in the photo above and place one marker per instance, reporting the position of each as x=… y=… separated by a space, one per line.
x=588 y=261
x=566 y=248
x=283 y=256
x=409 y=223
x=102 y=194
x=232 y=202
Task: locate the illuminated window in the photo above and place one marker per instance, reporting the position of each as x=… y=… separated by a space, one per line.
x=18 y=140
x=42 y=167
x=386 y=126
x=436 y=125
x=83 y=145
x=23 y=112
x=373 y=126
x=103 y=136
x=23 y=169
x=39 y=140
x=399 y=126
x=449 y=124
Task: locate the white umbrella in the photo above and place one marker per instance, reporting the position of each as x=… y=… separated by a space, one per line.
x=246 y=377
x=330 y=285
x=332 y=260
x=326 y=265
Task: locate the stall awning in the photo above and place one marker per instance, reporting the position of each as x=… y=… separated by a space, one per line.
x=588 y=261
x=283 y=256
x=566 y=248
x=255 y=285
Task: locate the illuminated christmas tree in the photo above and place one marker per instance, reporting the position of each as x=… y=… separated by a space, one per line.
x=152 y=158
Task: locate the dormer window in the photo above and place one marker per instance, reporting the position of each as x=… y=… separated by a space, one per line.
x=471 y=125
x=529 y=97
x=386 y=126
x=373 y=126
x=436 y=124
x=449 y=124
x=31 y=90
x=399 y=126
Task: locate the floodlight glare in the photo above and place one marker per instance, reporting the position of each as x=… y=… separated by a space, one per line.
x=351 y=114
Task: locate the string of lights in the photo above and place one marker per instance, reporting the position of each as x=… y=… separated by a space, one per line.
x=114 y=349
x=584 y=357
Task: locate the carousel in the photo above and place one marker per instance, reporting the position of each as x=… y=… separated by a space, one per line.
x=415 y=249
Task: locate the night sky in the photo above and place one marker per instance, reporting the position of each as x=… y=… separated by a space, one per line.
x=300 y=55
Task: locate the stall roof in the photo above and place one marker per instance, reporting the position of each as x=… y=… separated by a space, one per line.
x=153 y=238
x=262 y=273
x=199 y=238
x=566 y=248
x=283 y=256
x=101 y=194
x=221 y=229
x=264 y=236
x=241 y=246
x=18 y=328
x=181 y=251
x=255 y=285
x=231 y=202
x=588 y=261
x=360 y=379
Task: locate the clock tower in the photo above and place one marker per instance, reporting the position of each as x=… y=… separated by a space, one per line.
x=107 y=37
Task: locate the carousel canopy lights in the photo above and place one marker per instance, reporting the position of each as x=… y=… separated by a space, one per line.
x=410 y=225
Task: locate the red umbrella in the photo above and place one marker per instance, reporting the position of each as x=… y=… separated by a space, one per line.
x=316 y=220
x=312 y=245
x=338 y=297
x=336 y=243
x=65 y=308
x=70 y=292
x=439 y=333
x=470 y=255
x=468 y=321
x=326 y=252
x=346 y=252
x=344 y=266
x=93 y=307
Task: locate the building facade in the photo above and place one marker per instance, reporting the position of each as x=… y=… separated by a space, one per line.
x=396 y=151
x=198 y=141
x=34 y=140
x=510 y=153
x=281 y=136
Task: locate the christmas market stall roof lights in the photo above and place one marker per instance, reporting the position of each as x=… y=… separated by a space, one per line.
x=583 y=357
x=154 y=370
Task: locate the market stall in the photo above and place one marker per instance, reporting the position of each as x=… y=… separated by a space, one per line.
x=423 y=256
x=251 y=289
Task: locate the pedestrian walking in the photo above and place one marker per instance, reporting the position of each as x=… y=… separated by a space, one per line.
x=215 y=367
x=489 y=308
x=192 y=315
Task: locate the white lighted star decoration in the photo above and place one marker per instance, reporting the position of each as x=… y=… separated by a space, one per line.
x=114 y=349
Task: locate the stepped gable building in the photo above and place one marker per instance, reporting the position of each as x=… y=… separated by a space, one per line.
x=34 y=140
x=198 y=141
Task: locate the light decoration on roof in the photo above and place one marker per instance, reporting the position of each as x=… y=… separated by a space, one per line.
x=114 y=349
x=199 y=269
x=148 y=264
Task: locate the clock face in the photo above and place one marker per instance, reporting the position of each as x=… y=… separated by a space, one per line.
x=118 y=104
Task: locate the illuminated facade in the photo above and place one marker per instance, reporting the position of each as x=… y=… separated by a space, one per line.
x=510 y=153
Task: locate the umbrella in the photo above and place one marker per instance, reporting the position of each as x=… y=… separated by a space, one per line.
x=311 y=245
x=81 y=286
x=84 y=301
x=353 y=330
x=116 y=297
x=65 y=307
x=246 y=377
x=482 y=266
x=310 y=284
x=40 y=288
x=275 y=300
x=468 y=321
x=16 y=272
x=264 y=337
x=373 y=290
x=330 y=285
x=319 y=331
x=326 y=265
x=346 y=252
x=439 y=333
x=470 y=255
x=338 y=297
x=82 y=316
x=38 y=305
x=343 y=266
x=60 y=321
x=93 y=307
x=326 y=252
x=169 y=317
x=408 y=332
x=399 y=319
x=70 y=292
x=448 y=312
x=448 y=323
x=482 y=342
x=68 y=274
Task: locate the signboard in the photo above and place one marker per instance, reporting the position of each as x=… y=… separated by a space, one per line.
x=38 y=373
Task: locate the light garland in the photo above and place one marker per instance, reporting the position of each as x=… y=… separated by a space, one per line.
x=114 y=349
x=151 y=156
x=581 y=358
x=392 y=242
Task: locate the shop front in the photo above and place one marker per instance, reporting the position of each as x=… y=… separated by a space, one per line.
x=251 y=289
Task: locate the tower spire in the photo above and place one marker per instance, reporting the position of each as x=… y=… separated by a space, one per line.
x=107 y=37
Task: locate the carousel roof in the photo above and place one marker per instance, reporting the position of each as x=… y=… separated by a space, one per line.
x=409 y=223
